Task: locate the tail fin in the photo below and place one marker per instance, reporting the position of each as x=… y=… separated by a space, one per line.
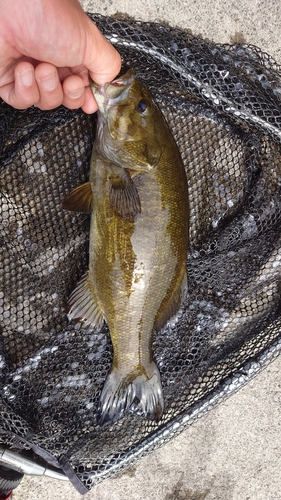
x=132 y=391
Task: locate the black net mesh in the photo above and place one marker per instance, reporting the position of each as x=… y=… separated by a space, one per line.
x=222 y=104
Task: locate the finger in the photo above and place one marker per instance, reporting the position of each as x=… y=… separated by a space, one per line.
x=73 y=86
x=49 y=85
x=74 y=92
x=23 y=91
x=64 y=73
x=102 y=60
x=90 y=104
x=81 y=71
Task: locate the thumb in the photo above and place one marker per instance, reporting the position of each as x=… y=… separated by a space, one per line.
x=101 y=59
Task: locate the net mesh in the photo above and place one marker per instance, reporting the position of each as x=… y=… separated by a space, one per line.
x=222 y=104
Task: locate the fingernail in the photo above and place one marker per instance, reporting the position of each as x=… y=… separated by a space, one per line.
x=75 y=94
x=49 y=82
x=27 y=77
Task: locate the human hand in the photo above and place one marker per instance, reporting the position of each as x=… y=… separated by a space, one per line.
x=47 y=50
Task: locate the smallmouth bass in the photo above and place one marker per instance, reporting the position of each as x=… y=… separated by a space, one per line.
x=138 y=197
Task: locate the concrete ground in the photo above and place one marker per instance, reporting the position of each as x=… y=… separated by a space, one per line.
x=233 y=452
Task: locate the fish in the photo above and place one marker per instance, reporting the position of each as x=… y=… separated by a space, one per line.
x=137 y=195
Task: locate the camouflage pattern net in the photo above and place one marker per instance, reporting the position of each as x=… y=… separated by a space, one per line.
x=222 y=104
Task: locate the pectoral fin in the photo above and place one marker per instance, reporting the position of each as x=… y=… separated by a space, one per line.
x=123 y=194
x=80 y=199
x=82 y=305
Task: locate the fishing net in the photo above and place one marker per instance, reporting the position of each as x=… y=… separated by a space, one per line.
x=222 y=104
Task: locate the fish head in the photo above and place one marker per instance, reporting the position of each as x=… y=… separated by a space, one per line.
x=130 y=123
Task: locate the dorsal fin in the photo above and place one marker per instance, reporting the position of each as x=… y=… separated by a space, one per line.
x=82 y=305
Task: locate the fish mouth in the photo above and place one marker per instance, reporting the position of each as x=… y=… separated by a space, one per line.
x=112 y=93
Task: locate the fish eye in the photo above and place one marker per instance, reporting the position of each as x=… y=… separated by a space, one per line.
x=142 y=106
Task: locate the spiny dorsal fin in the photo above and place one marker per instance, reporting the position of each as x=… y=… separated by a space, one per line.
x=123 y=194
x=80 y=199
x=82 y=305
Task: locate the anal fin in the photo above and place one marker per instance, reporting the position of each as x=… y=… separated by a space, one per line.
x=82 y=305
x=171 y=313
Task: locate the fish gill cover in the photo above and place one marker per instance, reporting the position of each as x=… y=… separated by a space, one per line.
x=222 y=104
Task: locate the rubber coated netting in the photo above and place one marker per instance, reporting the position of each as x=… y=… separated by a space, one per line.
x=222 y=104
